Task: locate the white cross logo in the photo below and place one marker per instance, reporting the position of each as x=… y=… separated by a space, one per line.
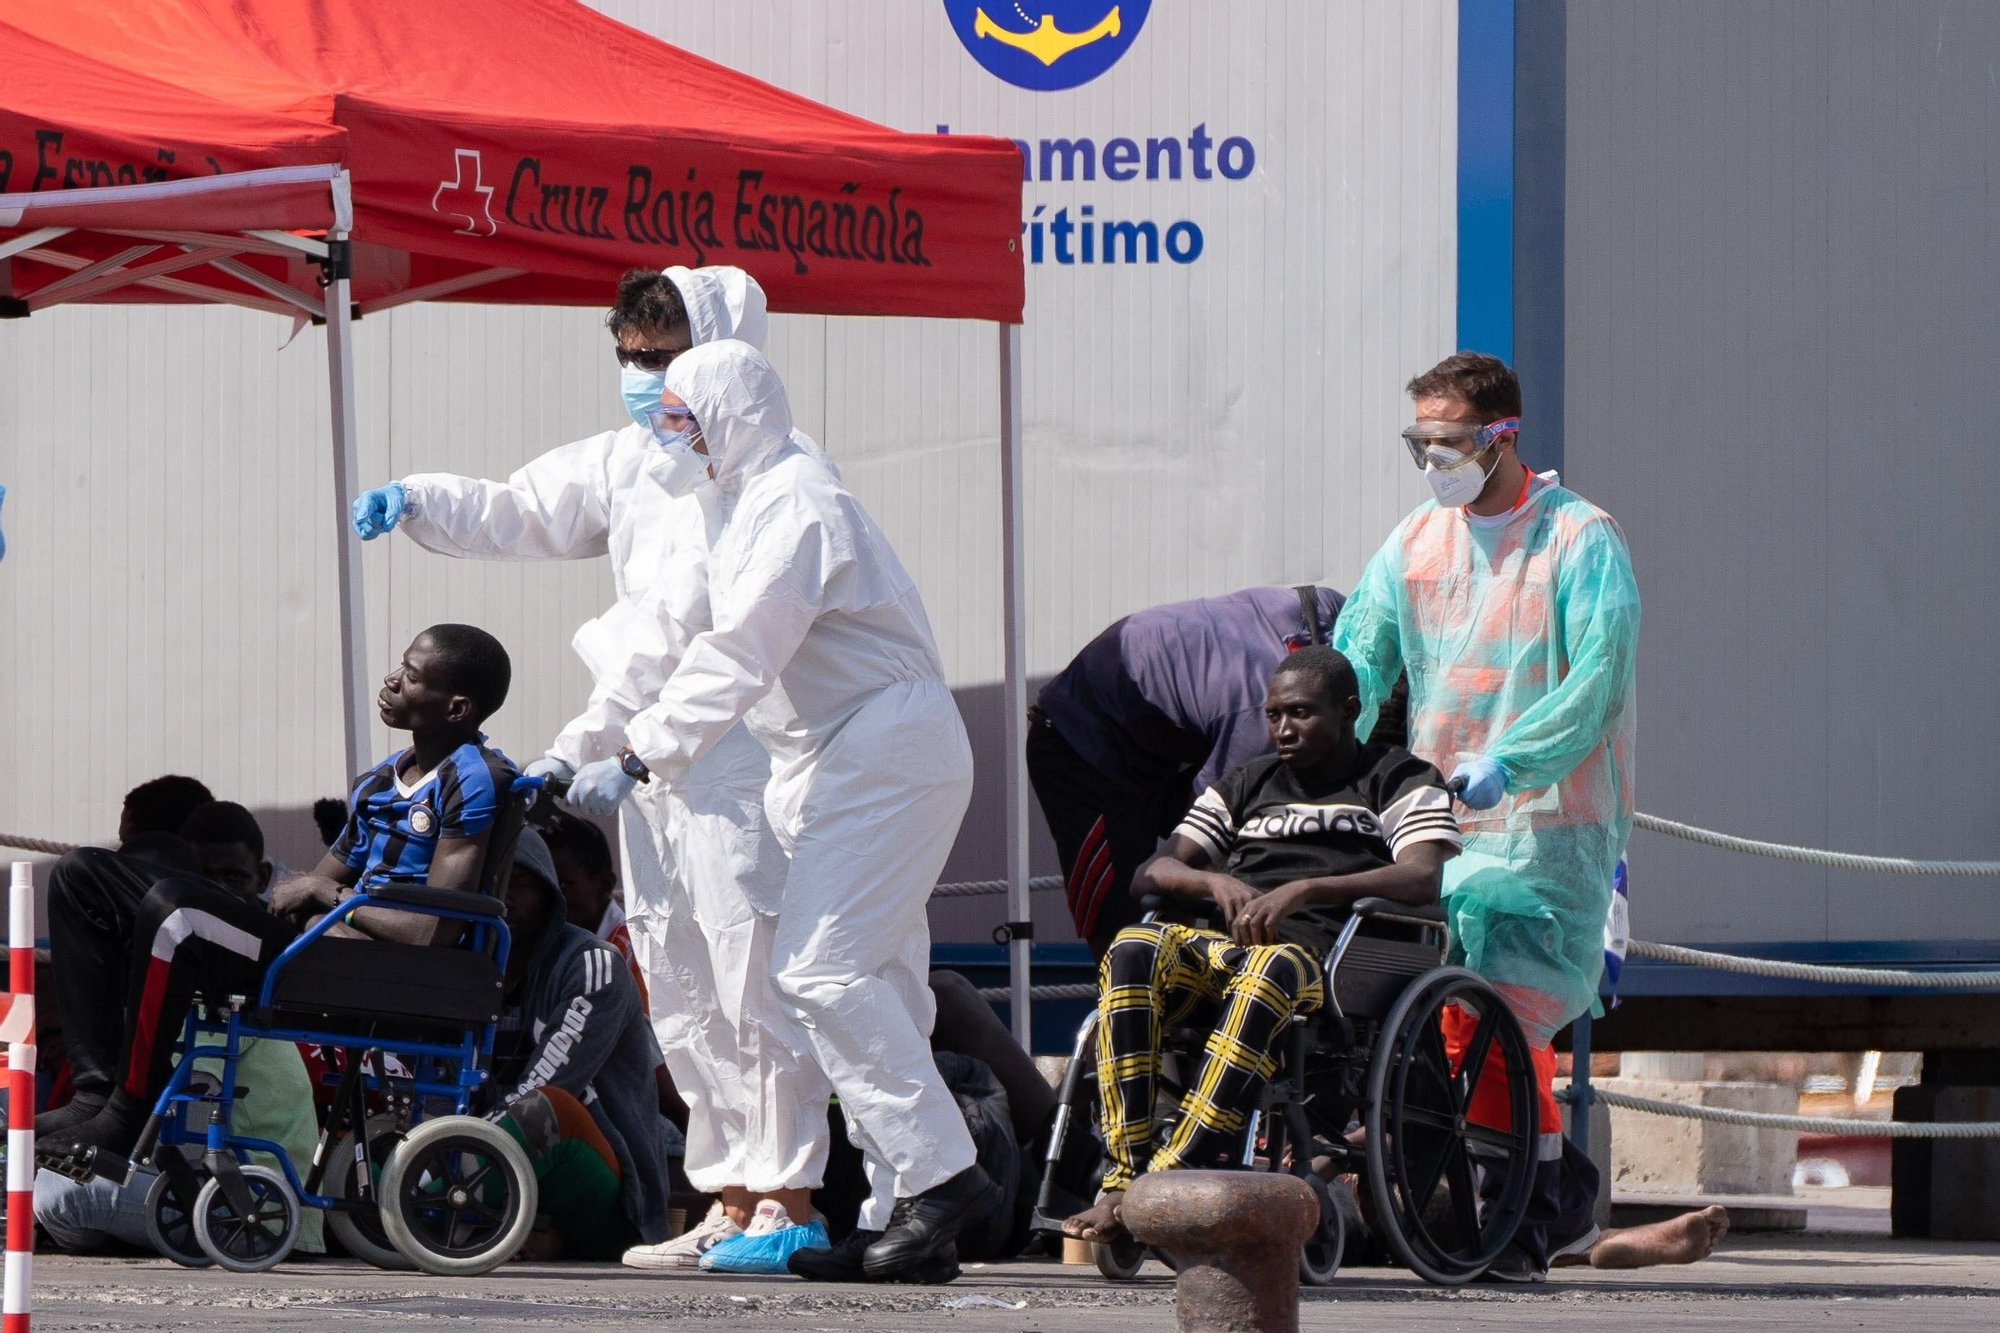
x=458 y=194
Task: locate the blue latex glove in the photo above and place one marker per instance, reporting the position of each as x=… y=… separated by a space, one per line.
x=600 y=786
x=549 y=766
x=378 y=511
x=1485 y=782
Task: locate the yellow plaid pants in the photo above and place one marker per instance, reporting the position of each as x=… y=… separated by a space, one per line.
x=1159 y=975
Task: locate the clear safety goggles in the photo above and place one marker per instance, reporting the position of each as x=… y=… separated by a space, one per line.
x=666 y=420
x=1450 y=444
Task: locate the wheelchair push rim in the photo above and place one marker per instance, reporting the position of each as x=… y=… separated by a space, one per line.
x=362 y=1233
x=257 y=1239
x=1419 y=1136
x=458 y=1196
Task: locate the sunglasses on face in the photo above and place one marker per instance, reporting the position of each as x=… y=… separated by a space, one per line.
x=650 y=359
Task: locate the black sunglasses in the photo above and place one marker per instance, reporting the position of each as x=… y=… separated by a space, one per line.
x=648 y=358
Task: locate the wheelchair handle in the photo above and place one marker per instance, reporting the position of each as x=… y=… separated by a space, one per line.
x=1456 y=787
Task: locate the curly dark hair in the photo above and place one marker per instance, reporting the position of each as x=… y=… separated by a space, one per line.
x=648 y=303
x=1485 y=382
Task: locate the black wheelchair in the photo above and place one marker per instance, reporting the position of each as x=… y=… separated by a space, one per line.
x=405 y=1176
x=1366 y=1087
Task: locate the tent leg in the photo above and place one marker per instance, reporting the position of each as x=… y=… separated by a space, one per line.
x=353 y=619
x=1020 y=903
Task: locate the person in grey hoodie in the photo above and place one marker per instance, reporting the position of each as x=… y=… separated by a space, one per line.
x=573 y=1062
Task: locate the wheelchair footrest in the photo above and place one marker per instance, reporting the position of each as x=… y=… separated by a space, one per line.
x=84 y=1165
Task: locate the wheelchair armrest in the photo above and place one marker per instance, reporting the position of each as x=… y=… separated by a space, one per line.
x=447 y=900
x=1386 y=909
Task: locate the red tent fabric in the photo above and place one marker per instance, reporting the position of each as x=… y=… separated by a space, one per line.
x=132 y=130
x=542 y=137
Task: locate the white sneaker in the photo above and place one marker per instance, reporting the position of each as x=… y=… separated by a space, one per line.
x=685 y=1251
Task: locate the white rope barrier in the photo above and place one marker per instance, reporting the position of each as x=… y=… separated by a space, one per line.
x=42 y=845
x=1804 y=1124
x=1837 y=976
x=1082 y=990
x=1887 y=865
x=982 y=888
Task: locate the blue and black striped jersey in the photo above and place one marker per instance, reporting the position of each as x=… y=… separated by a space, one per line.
x=393 y=827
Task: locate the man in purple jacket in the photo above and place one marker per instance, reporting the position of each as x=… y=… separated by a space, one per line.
x=1153 y=710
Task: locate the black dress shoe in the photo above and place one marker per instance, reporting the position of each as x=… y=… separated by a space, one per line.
x=926 y=1225
x=843 y=1263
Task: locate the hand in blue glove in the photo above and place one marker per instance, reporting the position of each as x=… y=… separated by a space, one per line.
x=378 y=511
x=548 y=766
x=600 y=786
x=1485 y=782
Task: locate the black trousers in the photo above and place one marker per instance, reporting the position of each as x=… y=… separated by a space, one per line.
x=1104 y=830
x=94 y=896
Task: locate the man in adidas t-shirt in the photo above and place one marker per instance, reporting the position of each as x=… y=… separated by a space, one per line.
x=1279 y=849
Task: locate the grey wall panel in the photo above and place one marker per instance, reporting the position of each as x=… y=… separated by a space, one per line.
x=1189 y=428
x=1780 y=267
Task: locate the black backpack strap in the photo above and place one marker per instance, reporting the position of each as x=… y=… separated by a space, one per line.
x=1309 y=613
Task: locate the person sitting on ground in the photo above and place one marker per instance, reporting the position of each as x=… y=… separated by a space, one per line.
x=277 y=1099
x=590 y=885
x=1279 y=848
x=573 y=1075
x=423 y=814
x=94 y=898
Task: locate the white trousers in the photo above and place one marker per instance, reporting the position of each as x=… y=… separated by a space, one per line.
x=876 y=824
x=704 y=876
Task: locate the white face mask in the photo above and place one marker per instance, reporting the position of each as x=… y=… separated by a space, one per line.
x=1457 y=486
x=684 y=468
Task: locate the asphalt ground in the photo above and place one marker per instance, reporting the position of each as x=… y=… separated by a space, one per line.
x=1816 y=1281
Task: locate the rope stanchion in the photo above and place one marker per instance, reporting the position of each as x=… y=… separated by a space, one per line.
x=17 y=1028
x=1803 y=1124
x=1836 y=976
x=1887 y=865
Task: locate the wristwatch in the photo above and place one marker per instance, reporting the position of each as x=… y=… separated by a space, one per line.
x=635 y=767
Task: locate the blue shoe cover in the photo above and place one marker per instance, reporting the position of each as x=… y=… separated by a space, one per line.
x=766 y=1254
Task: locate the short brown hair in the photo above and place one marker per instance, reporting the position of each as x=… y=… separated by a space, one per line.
x=1484 y=382
x=647 y=303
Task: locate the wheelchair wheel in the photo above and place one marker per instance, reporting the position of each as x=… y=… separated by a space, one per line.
x=458 y=1196
x=1319 y=1259
x=1419 y=1140
x=1119 y=1260
x=170 y=1223
x=362 y=1234
x=252 y=1243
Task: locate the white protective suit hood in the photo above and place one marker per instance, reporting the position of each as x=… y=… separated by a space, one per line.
x=722 y=302
x=739 y=402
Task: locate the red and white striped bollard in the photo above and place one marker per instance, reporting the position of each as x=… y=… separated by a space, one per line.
x=17 y=1029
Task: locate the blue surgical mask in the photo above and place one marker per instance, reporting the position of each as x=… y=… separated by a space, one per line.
x=641 y=390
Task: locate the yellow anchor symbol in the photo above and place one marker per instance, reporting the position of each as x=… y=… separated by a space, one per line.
x=1047 y=43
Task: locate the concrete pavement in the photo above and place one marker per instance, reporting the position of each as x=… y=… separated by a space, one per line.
x=1777 y=1282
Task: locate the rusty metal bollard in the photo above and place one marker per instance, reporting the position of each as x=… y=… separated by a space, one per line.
x=1236 y=1236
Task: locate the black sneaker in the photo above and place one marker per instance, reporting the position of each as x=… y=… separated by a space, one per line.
x=925 y=1226
x=1514 y=1265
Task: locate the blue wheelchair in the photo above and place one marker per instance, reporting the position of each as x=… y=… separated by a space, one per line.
x=407 y=1178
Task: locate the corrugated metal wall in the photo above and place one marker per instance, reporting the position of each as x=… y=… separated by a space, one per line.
x=1779 y=365
x=1190 y=427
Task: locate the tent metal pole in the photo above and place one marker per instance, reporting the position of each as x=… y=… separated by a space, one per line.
x=1014 y=634
x=346 y=483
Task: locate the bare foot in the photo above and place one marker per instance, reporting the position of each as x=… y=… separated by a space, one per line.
x=1678 y=1240
x=1100 y=1222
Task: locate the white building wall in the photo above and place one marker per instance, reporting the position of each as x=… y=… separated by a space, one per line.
x=169 y=597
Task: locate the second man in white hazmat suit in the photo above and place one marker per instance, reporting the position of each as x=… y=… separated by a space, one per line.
x=702 y=869
x=819 y=641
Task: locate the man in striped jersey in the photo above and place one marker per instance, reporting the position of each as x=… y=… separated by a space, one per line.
x=424 y=814
x=1277 y=849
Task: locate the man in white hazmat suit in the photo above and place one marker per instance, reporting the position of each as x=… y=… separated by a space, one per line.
x=702 y=871
x=818 y=639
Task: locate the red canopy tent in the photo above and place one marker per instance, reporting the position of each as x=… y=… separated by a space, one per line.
x=335 y=157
